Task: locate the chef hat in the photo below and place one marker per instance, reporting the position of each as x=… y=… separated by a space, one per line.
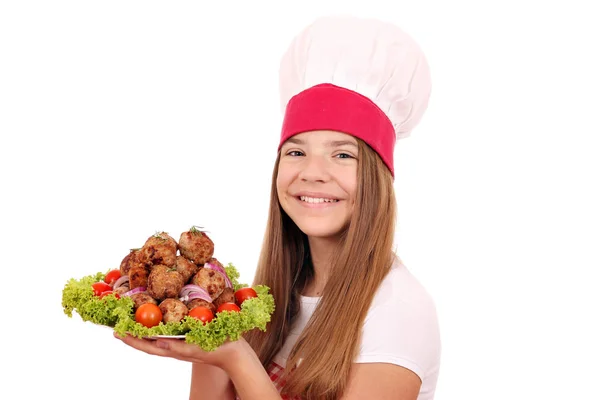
x=360 y=76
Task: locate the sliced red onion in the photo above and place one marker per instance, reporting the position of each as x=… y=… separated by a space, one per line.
x=191 y=288
x=217 y=268
x=121 y=281
x=199 y=295
x=139 y=289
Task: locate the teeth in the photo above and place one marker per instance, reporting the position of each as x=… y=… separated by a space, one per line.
x=316 y=200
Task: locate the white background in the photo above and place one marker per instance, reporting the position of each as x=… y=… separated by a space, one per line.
x=121 y=118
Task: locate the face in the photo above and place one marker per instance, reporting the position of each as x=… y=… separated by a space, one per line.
x=316 y=182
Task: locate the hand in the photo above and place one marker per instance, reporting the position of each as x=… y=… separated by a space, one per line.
x=226 y=354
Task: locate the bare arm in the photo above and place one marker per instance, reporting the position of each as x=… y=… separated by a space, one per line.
x=382 y=381
x=210 y=383
x=248 y=375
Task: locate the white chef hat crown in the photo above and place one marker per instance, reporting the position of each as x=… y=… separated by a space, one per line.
x=374 y=61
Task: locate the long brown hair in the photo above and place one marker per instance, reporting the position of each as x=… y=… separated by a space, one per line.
x=330 y=341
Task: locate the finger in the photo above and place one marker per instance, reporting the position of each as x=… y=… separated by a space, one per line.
x=145 y=345
x=182 y=349
x=194 y=353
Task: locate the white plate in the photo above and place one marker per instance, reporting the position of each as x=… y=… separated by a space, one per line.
x=164 y=337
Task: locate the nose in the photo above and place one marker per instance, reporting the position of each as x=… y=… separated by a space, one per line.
x=314 y=169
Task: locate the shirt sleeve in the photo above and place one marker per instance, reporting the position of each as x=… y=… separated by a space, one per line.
x=402 y=329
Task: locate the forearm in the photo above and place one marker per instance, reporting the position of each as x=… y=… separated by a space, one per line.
x=250 y=379
x=210 y=383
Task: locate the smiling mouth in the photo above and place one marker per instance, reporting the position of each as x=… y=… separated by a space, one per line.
x=316 y=200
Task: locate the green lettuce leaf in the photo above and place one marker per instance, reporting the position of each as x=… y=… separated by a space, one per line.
x=77 y=292
x=255 y=313
x=234 y=275
x=78 y=296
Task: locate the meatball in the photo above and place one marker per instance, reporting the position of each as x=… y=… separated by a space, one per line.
x=226 y=297
x=141 y=298
x=196 y=246
x=159 y=249
x=186 y=268
x=130 y=260
x=173 y=310
x=164 y=282
x=210 y=280
x=201 y=303
x=138 y=276
x=121 y=290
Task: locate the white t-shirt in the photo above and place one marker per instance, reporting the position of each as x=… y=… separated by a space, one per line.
x=401 y=328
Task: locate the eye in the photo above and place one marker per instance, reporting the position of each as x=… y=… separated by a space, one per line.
x=294 y=153
x=344 y=155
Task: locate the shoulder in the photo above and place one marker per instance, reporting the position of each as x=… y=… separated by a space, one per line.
x=401 y=288
x=401 y=326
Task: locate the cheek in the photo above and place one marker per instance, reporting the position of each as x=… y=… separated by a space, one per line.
x=282 y=183
x=350 y=186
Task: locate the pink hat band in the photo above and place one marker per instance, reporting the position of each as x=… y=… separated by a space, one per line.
x=330 y=107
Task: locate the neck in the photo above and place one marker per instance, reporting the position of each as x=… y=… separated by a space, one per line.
x=321 y=250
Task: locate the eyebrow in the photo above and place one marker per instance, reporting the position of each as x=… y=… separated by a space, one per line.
x=329 y=143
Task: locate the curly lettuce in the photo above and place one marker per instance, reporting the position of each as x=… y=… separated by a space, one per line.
x=255 y=313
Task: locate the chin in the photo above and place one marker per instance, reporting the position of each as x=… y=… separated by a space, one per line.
x=320 y=230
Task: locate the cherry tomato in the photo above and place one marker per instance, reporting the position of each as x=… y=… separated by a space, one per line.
x=112 y=276
x=228 y=307
x=202 y=313
x=100 y=287
x=109 y=292
x=149 y=315
x=244 y=294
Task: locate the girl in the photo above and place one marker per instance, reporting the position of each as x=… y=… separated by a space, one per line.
x=351 y=322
